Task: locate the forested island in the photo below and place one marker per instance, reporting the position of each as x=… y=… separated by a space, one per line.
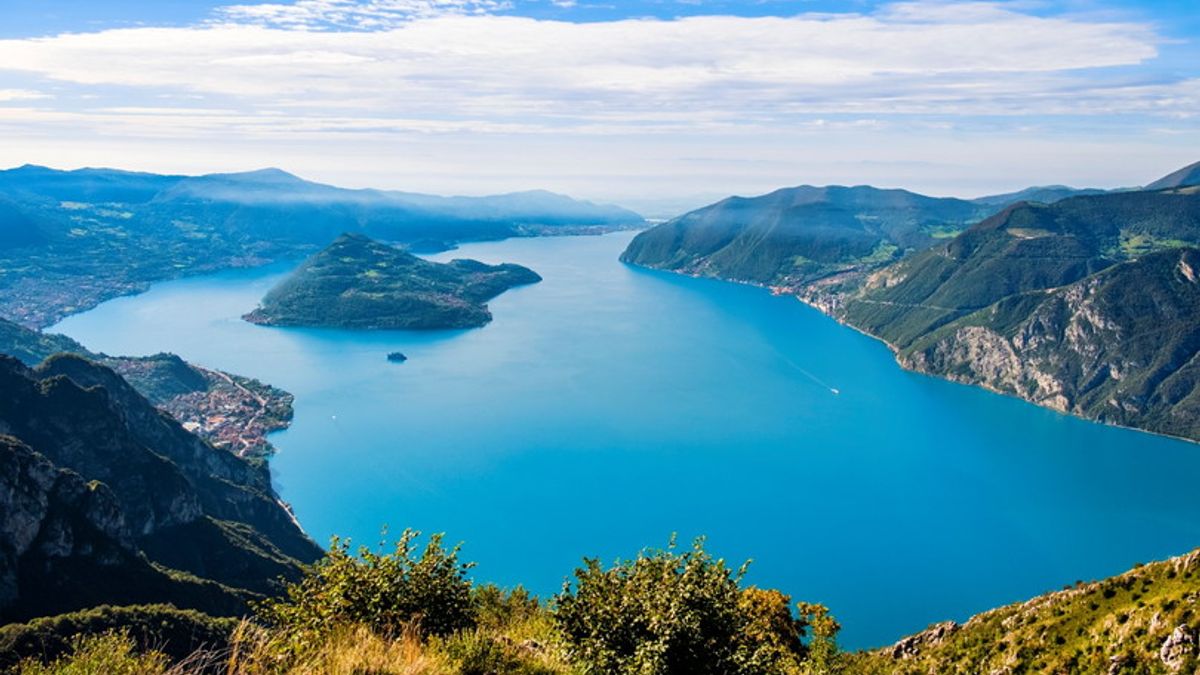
x=360 y=283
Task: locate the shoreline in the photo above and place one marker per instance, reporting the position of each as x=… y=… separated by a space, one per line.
x=785 y=291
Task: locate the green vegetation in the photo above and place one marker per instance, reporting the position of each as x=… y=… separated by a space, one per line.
x=1086 y=303
x=384 y=593
x=670 y=612
x=666 y=612
x=796 y=235
x=416 y=612
x=99 y=484
x=1087 y=306
x=231 y=412
x=359 y=283
x=173 y=632
x=1143 y=621
x=72 y=239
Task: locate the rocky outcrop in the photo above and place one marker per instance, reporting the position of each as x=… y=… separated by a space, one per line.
x=1179 y=649
x=99 y=478
x=912 y=646
x=48 y=513
x=1120 y=346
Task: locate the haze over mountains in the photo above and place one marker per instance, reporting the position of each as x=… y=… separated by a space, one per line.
x=71 y=239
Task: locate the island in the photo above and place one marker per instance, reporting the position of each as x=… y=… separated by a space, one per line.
x=359 y=283
x=397 y=357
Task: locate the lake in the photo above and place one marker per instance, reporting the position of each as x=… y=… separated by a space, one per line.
x=608 y=407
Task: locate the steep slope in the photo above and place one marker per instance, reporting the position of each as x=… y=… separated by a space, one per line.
x=359 y=283
x=1186 y=177
x=65 y=544
x=229 y=411
x=796 y=235
x=1087 y=306
x=1143 y=621
x=1120 y=346
x=165 y=492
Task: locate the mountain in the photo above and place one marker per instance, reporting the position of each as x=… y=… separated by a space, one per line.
x=1089 y=306
x=231 y=412
x=1079 y=300
x=72 y=239
x=1120 y=346
x=108 y=500
x=796 y=235
x=1046 y=194
x=359 y=283
x=1188 y=176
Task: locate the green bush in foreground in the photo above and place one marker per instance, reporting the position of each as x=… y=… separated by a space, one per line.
x=104 y=654
x=678 y=612
x=386 y=593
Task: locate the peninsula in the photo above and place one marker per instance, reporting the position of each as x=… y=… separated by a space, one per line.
x=360 y=283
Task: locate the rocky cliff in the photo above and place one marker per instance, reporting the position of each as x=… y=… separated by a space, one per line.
x=99 y=477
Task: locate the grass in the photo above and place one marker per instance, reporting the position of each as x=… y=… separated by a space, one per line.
x=526 y=647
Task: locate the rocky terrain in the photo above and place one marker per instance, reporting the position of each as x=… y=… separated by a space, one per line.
x=231 y=412
x=99 y=484
x=1143 y=621
x=359 y=283
x=1088 y=305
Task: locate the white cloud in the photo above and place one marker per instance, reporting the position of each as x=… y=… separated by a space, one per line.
x=367 y=74
x=21 y=95
x=352 y=14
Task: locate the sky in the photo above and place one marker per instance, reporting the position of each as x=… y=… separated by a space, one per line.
x=659 y=105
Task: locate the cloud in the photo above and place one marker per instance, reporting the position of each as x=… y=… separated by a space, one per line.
x=352 y=14
x=378 y=72
x=21 y=95
x=444 y=60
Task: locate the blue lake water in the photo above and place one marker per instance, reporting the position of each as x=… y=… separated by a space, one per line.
x=608 y=407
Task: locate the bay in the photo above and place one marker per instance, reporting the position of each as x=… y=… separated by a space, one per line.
x=608 y=407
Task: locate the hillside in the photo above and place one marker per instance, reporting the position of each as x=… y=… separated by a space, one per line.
x=1046 y=194
x=359 y=283
x=232 y=412
x=72 y=239
x=1120 y=346
x=796 y=235
x=1143 y=621
x=1188 y=176
x=1087 y=306
x=1023 y=302
x=104 y=486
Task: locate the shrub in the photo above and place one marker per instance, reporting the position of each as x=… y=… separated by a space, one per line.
x=112 y=653
x=669 y=612
x=174 y=632
x=496 y=607
x=383 y=593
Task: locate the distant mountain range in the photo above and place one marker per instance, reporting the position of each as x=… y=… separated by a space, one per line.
x=1085 y=301
x=72 y=239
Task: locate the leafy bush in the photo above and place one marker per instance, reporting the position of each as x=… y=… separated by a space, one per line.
x=174 y=632
x=384 y=593
x=496 y=607
x=105 y=654
x=670 y=612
